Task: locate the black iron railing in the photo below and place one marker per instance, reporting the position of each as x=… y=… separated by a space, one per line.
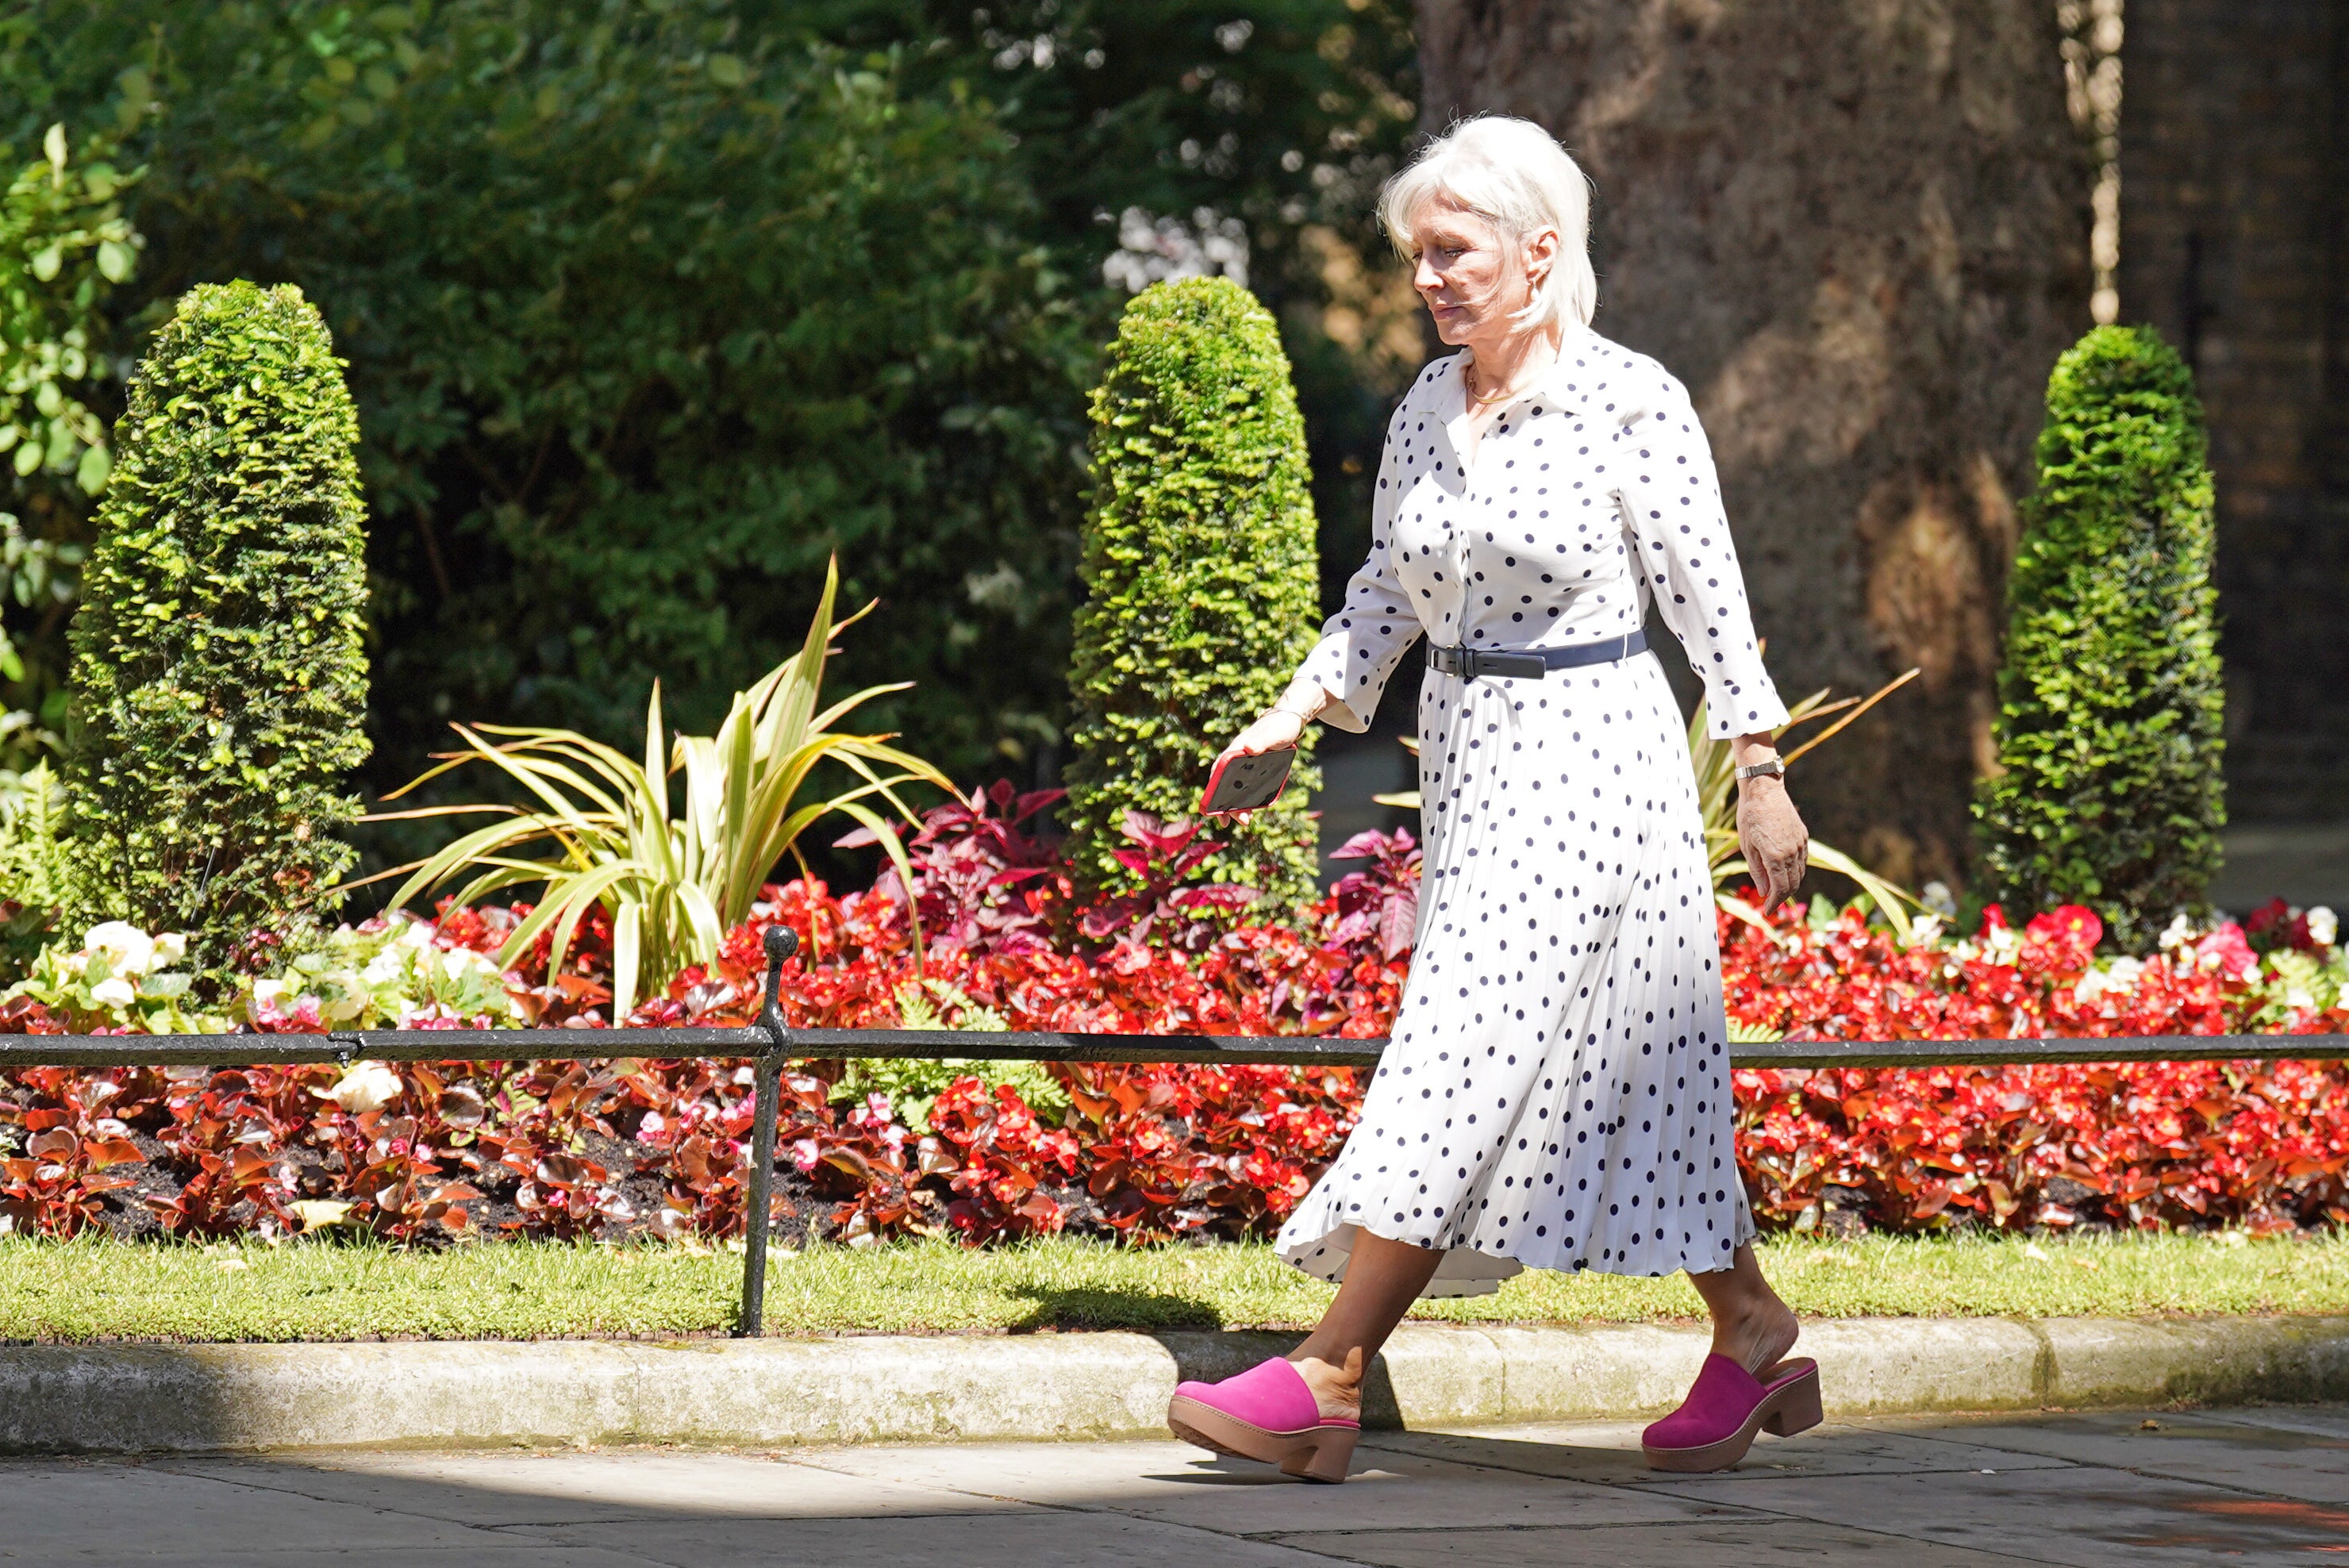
x=770 y=1042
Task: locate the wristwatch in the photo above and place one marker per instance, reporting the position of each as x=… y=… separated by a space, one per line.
x=1774 y=768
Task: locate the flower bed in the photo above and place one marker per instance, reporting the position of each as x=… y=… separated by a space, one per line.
x=2260 y=1144
x=657 y=1146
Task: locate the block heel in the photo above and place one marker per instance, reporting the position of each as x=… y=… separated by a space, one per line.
x=1326 y=1460
x=1796 y=1407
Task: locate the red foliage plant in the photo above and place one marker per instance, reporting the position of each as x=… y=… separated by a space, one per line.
x=1155 y=1153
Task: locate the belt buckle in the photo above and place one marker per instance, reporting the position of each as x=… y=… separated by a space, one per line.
x=1519 y=666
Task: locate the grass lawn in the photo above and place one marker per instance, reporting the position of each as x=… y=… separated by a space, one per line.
x=105 y=1290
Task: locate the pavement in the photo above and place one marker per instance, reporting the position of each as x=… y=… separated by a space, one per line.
x=2235 y=1486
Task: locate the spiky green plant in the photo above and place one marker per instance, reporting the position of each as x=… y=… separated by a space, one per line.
x=674 y=881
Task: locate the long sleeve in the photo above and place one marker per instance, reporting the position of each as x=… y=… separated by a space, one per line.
x=1672 y=501
x=1363 y=641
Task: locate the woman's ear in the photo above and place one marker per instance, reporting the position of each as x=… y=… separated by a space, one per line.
x=1541 y=255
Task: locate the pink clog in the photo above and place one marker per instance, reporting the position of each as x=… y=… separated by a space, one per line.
x=1265 y=1413
x=1716 y=1424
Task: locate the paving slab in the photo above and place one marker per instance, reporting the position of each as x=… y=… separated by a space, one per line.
x=1024 y=1540
x=2088 y=1516
x=69 y=1511
x=1609 y=1453
x=2323 y=1420
x=2210 y=1447
x=1796 y=1543
x=2238 y=1486
x=497 y=1490
x=1179 y=1484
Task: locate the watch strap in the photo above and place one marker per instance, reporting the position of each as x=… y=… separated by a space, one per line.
x=1774 y=768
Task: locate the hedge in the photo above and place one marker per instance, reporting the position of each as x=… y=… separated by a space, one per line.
x=218 y=680
x=1202 y=580
x=2110 y=701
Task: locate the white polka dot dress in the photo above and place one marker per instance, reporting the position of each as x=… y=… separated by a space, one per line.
x=1556 y=1094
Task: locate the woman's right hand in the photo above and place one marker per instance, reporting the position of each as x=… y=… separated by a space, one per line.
x=1276 y=729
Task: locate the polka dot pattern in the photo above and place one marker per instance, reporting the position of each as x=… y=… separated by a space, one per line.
x=1593 y=496
x=1557 y=1092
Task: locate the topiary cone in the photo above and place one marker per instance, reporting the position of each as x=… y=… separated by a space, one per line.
x=219 y=679
x=2111 y=702
x=1202 y=578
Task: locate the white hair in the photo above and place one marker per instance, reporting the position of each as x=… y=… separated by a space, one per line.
x=1512 y=174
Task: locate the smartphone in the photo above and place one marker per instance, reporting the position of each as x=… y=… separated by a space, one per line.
x=1247 y=783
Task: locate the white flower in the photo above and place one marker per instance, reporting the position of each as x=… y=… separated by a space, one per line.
x=2298 y=998
x=384 y=968
x=2178 y=933
x=171 y=946
x=1938 y=898
x=267 y=991
x=2117 y=979
x=129 y=950
x=1924 y=931
x=2323 y=926
x=113 y=993
x=368 y=1086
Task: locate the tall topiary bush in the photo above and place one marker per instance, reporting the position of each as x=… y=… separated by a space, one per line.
x=219 y=676
x=1200 y=570
x=2110 y=703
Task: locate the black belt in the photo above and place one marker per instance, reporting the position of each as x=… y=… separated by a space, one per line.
x=1531 y=663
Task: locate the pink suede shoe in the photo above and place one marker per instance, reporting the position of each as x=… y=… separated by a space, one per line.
x=1265 y=1413
x=1716 y=1424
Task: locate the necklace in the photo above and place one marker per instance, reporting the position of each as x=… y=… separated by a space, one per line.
x=1481 y=401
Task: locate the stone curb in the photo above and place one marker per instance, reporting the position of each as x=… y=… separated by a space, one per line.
x=779 y=1392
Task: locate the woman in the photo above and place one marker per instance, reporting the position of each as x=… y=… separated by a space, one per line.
x=1556 y=1094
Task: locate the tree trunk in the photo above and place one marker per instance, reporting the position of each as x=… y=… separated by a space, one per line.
x=1857 y=230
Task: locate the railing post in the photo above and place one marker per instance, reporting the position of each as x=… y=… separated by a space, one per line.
x=767 y=1090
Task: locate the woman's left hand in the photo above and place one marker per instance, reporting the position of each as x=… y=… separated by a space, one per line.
x=1770 y=831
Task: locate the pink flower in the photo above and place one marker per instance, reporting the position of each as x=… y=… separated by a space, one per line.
x=2226 y=951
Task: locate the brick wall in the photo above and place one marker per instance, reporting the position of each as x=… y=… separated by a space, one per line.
x=2234 y=155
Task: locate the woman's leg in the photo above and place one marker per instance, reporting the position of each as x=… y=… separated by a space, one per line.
x=1750 y=1324
x=1382 y=1278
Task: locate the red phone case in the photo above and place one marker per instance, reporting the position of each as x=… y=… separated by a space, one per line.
x=1254 y=782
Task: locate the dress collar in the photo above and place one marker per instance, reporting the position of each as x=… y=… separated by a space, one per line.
x=1456 y=382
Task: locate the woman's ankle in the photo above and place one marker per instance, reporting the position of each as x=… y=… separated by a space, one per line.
x=1758 y=1333
x=1337 y=1392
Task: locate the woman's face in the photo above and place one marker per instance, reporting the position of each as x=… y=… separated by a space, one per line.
x=1474 y=281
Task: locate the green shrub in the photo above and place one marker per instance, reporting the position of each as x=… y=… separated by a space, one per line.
x=2110 y=702
x=618 y=409
x=1200 y=566
x=219 y=679
x=64 y=246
